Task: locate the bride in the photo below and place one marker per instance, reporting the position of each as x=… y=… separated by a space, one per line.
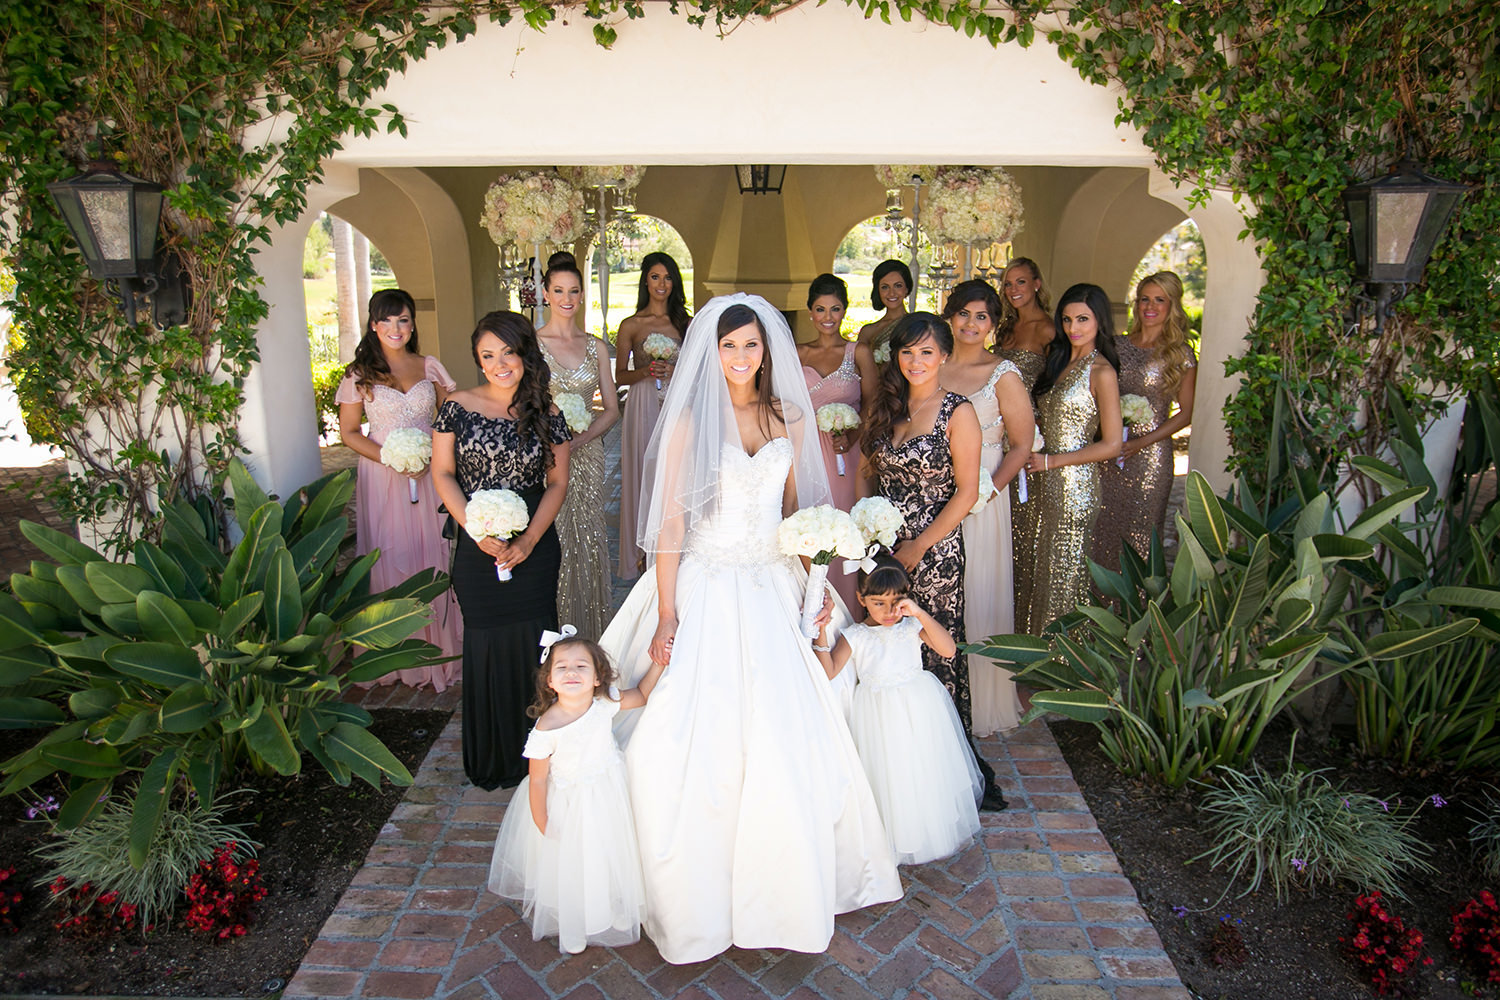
x=755 y=819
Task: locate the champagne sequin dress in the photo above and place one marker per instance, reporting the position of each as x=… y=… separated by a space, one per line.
x=1024 y=522
x=917 y=476
x=1133 y=500
x=989 y=591
x=1068 y=497
x=839 y=386
x=583 y=583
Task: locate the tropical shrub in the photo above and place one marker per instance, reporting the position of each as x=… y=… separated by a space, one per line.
x=1298 y=829
x=326 y=378
x=98 y=854
x=188 y=661
x=1386 y=950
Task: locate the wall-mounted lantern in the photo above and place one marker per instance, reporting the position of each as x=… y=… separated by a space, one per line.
x=115 y=218
x=760 y=178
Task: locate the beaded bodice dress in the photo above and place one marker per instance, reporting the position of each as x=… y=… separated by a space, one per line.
x=741 y=530
x=1069 y=496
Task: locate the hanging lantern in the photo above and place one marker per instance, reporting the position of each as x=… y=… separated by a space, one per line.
x=1396 y=220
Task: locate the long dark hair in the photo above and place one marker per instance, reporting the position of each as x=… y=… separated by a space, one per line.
x=1060 y=351
x=533 y=400
x=882 y=269
x=730 y=320
x=677 y=312
x=973 y=290
x=889 y=407
x=369 y=366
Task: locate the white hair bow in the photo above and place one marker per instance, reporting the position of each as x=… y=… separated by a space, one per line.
x=867 y=563
x=549 y=637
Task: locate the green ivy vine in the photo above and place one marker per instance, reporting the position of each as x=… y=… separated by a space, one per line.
x=1283 y=103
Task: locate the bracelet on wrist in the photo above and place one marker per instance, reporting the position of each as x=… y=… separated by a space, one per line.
x=823 y=649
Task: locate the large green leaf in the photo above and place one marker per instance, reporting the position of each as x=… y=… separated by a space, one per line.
x=318 y=547
x=151 y=798
x=1467 y=597
x=240 y=614
x=1408 y=642
x=1250 y=597
x=330 y=496
x=64 y=549
x=246 y=566
x=1080 y=706
x=16 y=627
x=188 y=709
x=85 y=759
x=76 y=584
x=248 y=496
x=82 y=653
x=377 y=663
x=355 y=584
x=424 y=585
x=386 y=623
x=164 y=620
x=1334 y=547
x=158 y=663
x=331 y=713
x=268 y=739
x=169 y=577
x=1206 y=516
x=94 y=702
x=283 y=596
x=117 y=583
x=1388 y=476
x=32 y=590
x=1316 y=518
x=365 y=755
x=85 y=803
x=121 y=619
x=28 y=713
x=312 y=739
x=1001 y=648
x=183 y=530
x=17 y=666
x=1384 y=511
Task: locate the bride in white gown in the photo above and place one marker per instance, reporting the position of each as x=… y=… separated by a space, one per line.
x=755 y=819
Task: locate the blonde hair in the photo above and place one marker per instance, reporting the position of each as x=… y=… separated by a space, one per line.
x=1006 y=324
x=1173 y=346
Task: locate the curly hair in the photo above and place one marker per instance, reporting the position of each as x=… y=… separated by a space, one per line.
x=677 y=312
x=604 y=673
x=889 y=407
x=1176 y=353
x=369 y=366
x=1060 y=351
x=1006 y=325
x=533 y=399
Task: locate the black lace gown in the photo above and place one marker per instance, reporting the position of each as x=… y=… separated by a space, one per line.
x=917 y=476
x=503 y=621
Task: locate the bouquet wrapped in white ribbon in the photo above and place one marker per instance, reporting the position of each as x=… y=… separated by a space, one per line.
x=574 y=411
x=1037 y=444
x=986 y=492
x=660 y=347
x=1136 y=412
x=407 y=450
x=836 y=418
x=820 y=533
x=496 y=514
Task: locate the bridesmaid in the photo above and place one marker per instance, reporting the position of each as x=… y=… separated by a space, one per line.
x=660 y=307
x=890 y=285
x=1156 y=362
x=391 y=384
x=1078 y=397
x=580 y=366
x=836 y=371
x=996 y=391
x=1022 y=337
x=504 y=434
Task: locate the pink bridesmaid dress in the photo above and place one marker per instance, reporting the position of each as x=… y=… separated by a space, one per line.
x=408 y=535
x=839 y=386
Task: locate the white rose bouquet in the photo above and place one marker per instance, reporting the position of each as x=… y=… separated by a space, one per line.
x=1037 y=444
x=878 y=521
x=659 y=347
x=1136 y=412
x=882 y=353
x=836 y=418
x=819 y=533
x=496 y=514
x=407 y=450
x=574 y=411
x=986 y=492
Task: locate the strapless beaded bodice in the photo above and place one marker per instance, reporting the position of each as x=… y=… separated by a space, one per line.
x=390 y=408
x=741 y=530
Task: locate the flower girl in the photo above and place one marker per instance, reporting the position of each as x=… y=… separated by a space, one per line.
x=567 y=846
x=904 y=724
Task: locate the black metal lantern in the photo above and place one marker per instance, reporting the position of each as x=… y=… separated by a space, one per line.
x=1396 y=220
x=116 y=218
x=760 y=178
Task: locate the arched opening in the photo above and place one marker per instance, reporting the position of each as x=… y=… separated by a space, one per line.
x=632 y=237
x=862 y=249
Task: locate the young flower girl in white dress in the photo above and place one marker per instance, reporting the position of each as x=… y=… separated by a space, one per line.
x=567 y=846
x=904 y=724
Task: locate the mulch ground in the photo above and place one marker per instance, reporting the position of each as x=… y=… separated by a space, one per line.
x=1291 y=950
x=314 y=837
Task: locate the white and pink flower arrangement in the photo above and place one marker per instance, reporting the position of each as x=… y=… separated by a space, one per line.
x=820 y=533
x=621 y=178
x=900 y=174
x=972 y=206
x=836 y=418
x=496 y=514
x=659 y=347
x=533 y=207
x=407 y=450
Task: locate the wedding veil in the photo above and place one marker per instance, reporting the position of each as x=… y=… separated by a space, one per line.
x=697 y=426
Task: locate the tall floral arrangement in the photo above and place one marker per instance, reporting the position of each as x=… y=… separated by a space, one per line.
x=621 y=178
x=900 y=174
x=533 y=207
x=972 y=205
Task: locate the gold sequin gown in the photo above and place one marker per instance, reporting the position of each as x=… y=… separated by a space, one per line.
x=583 y=597
x=1024 y=523
x=1068 y=498
x=1133 y=500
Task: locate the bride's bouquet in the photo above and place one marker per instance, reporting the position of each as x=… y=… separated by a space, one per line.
x=1037 y=444
x=1136 y=412
x=659 y=347
x=820 y=533
x=407 y=450
x=835 y=418
x=574 y=411
x=496 y=514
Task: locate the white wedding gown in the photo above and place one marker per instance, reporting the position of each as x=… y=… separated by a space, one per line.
x=755 y=819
